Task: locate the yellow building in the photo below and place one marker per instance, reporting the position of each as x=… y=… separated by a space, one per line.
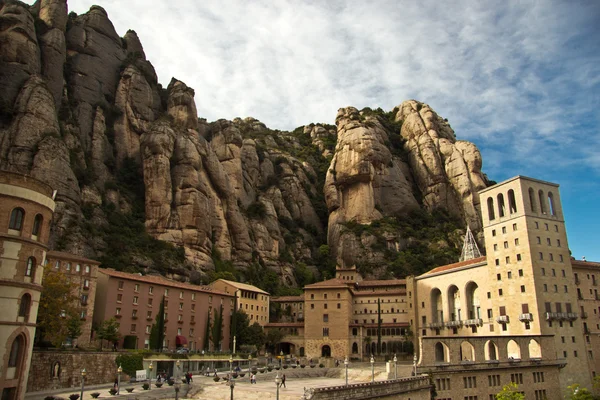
x=252 y=300
x=26 y=208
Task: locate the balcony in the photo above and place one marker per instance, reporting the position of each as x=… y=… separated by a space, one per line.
x=573 y=316
x=474 y=322
x=526 y=317
x=192 y=322
x=134 y=317
x=149 y=318
x=503 y=319
x=454 y=324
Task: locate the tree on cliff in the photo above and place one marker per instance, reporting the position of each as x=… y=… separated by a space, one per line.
x=57 y=309
x=216 y=333
x=157 y=334
x=109 y=331
x=510 y=392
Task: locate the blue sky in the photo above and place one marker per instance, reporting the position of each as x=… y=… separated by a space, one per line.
x=519 y=79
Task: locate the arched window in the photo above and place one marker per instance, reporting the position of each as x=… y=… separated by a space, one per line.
x=383 y=348
x=473 y=305
x=542 y=200
x=535 y=350
x=501 y=206
x=437 y=310
x=532 y=200
x=513 y=350
x=37 y=224
x=16 y=352
x=551 y=203
x=512 y=202
x=490 y=205
x=454 y=303
x=354 y=348
x=16 y=219
x=373 y=348
x=441 y=352
x=467 y=351
x=25 y=306
x=490 y=350
x=31 y=263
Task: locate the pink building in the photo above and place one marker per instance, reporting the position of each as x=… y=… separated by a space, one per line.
x=134 y=300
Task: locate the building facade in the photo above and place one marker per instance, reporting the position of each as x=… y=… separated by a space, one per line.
x=134 y=300
x=26 y=208
x=252 y=300
x=83 y=273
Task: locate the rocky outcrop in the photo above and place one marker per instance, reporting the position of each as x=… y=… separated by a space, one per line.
x=447 y=171
x=53 y=22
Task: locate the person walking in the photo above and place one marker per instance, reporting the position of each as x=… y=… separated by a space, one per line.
x=283 y=381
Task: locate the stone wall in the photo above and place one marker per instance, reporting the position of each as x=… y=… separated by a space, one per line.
x=415 y=388
x=62 y=369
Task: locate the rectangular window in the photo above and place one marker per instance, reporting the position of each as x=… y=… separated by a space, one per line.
x=150 y=289
x=133 y=327
x=166 y=292
x=522 y=288
x=506 y=245
x=516 y=241
x=148 y=327
x=325 y=317
x=545 y=287
x=136 y=288
x=517 y=378
x=339 y=306
x=497 y=261
x=325 y=306
x=495 y=247
x=518 y=257
x=514 y=227
x=520 y=272
x=507 y=259
x=551 y=257
x=541 y=255
x=539 y=240
x=561 y=258
x=548 y=241
x=119 y=298
x=509 y=274
x=181 y=295
x=493 y=232
x=557 y=242
x=499 y=292
x=325 y=332
x=193 y=296
x=121 y=285
x=503 y=229
x=135 y=299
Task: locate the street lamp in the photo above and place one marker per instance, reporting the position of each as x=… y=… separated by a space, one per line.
x=415 y=365
x=150 y=376
x=231 y=386
x=278 y=383
x=119 y=370
x=395 y=366
x=372 y=369
x=230 y=366
x=250 y=367
x=83 y=374
x=346 y=365
x=280 y=358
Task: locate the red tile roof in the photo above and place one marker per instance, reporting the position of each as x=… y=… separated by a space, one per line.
x=62 y=255
x=359 y=293
x=335 y=282
x=456 y=265
x=290 y=299
x=384 y=282
x=285 y=324
x=159 y=280
x=585 y=264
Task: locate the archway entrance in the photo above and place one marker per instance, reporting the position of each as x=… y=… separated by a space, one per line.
x=326 y=351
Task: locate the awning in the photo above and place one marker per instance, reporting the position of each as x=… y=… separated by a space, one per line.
x=180 y=340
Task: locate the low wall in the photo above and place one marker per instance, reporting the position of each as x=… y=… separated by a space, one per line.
x=62 y=369
x=417 y=388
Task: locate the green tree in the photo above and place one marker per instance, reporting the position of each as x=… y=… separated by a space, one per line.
x=216 y=333
x=510 y=392
x=57 y=303
x=74 y=325
x=157 y=332
x=273 y=338
x=206 y=345
x=576 y=392
x=109 y=331
x=378 y=326
x=255 y=336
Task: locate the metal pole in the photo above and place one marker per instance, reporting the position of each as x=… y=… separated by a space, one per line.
x=396 y=366
x=372 y=369
x=83 y=373
x=119 y=370
x=346 y=374
x=415 y=365
x=231 y=385
x=150 y=376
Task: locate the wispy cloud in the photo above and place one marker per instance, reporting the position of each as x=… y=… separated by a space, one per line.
x=520 y=79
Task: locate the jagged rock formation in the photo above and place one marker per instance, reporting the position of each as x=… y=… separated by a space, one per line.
x=81 y=108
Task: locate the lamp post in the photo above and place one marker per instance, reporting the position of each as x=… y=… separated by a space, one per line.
x=233 y=345
x=83 y=374
x=346 y=365
x=415 y=365
x=395 y=366
x=150 y=376
x=280 y=358
x=119 y=370
x=372 y=369
x=231 y=386
x=177 y=381
x=230 y=366
x=250 y=367
x=277 y=383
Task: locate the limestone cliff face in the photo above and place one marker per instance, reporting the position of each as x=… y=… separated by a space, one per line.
x=81 y=108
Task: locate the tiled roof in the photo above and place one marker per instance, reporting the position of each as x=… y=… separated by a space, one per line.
x=585 y=264
x=243 y=286
x=456 y=265
x=359 y=293
x=62 y=255
x=335 y=282
x=290 y=299
x=159 y=280
x=386 y=282
x=285 y=324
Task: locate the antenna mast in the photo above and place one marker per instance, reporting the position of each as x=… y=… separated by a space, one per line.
x=470 y=249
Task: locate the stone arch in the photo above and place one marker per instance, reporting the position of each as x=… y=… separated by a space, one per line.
x=512 y=202
x=437 y=309
x=373 y=348
x=490 y=350
x=532 y=200
x=25 y=306
x=37 y=225
x=551 y=206
x=542 y=201
x=467 y=351
x=490 y=206
x=473 y=304
x=513 y=350
x=326 y=351
x=501 y=205
x=454 y=303
x=442 y=353
x=354 y=348
x=535 y=350
x=383 y=347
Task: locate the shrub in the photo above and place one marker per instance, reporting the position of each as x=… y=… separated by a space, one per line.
x=321 y=366
x=312 y=365
x=129 y=390
x=302 y=366
x=146 y=386
x=216 y=379
x=158 y=384
x=95 y=395
x=74 y=396
x=285 y=367
x=112 y=391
